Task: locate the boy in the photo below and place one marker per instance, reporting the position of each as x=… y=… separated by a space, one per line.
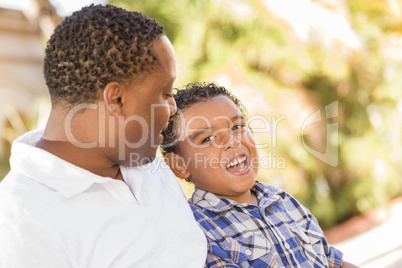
x=247 y=223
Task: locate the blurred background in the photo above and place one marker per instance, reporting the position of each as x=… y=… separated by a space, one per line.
x=320 y=78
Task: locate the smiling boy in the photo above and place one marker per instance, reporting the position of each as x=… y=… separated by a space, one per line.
x=247 y=223
x=224 y=177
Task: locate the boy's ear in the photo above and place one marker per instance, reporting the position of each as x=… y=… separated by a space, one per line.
x=113 y=95
x=250 y=129
x=177 y=165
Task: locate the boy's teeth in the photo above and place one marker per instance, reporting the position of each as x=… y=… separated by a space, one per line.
x=236 y=161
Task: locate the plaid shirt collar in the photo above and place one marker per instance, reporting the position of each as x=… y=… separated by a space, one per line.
x=265 y=195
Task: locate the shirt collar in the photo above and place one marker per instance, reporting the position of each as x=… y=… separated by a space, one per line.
x=48 y=169
x=266 y=194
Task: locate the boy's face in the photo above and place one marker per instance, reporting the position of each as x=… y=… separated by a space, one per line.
x=218 y=148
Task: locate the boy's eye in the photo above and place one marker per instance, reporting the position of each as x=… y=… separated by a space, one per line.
x=238 y=126
x=209 y=138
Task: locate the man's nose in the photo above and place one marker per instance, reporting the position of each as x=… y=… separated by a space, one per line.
x=172 y=106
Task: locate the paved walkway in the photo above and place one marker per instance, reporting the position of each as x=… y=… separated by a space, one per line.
x=377 y=247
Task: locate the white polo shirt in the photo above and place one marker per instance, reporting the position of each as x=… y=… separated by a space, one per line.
x=54 y=214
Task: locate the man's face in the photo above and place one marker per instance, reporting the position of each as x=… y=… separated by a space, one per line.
x=218 y=148
x=150 y=106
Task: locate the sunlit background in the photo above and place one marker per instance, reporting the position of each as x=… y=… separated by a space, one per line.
x=321 y=80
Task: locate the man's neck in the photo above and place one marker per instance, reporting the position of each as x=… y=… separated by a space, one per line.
x=90 y=159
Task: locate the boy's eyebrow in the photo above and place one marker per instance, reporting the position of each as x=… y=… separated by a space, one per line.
x=238 y=116
x=200 y=131
x=195 y=134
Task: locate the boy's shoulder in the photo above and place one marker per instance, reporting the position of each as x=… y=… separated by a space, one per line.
x=268 y=189
x=271 y=192
x=206 y=201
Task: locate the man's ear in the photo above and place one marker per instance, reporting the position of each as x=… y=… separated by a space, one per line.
x=177 y=165
x=112 y=95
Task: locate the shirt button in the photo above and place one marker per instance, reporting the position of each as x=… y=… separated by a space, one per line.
x=287 y=246
x=248 y=252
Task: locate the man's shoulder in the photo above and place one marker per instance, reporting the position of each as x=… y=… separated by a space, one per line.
x=18 y=191
x=17 y=184
x=25 y=203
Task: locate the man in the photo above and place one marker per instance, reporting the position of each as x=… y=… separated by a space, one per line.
x=87 y=191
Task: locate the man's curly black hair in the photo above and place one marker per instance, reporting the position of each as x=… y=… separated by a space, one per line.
x=193 y=93
x=95 y=46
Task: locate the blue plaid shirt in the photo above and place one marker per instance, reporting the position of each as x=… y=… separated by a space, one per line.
x=280 y=232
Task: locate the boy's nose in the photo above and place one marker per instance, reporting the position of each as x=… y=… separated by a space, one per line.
x=233 y=141
x=172 y=106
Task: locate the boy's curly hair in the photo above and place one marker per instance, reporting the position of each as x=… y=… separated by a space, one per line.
x=95 y=46
x=193 y=93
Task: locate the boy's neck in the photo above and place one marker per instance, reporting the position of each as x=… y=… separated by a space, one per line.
x=253 y=198
x=246 y=198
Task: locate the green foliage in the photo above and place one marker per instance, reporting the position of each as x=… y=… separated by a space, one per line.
x=277 y=73
x=18 y=123
x=4 y=165
x=297 y=77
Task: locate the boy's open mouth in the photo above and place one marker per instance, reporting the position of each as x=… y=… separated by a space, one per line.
x=238 y=164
